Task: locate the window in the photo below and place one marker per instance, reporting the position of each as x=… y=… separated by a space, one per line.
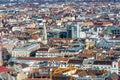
x=114 y=66
x=105 y=67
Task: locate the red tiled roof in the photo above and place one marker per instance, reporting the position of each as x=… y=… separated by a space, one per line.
x=114 y=76
x=119 y=63
x=107 y=22
x=3 y=69
x=117 y=24
x=111 y=51
x=83 y=73
x=65 y=45
x=60 y=59
x=43 y=49
x=54 y=58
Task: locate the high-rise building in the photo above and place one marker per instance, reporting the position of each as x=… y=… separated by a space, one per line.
x=73 y=29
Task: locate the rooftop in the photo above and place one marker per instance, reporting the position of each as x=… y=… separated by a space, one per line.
x=102 y=63
x=45 y=59
x=27 y=47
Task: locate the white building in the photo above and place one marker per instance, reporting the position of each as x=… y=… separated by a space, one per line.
x=102 y=65
x=24 y=51
x=115 y=67
x=47 y=52
x=111 y=66
x=83 y=35
x=18 y=29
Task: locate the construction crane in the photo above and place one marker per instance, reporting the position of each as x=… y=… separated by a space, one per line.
x=62 y=70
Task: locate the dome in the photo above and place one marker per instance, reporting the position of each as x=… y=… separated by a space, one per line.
x=87 y=40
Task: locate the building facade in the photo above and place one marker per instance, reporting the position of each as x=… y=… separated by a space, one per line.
x=24 y=51
x=73 y=29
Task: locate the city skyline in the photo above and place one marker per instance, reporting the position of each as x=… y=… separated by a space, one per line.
x=59 y=40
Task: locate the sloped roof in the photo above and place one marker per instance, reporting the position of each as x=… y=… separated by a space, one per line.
x=61 y=39
x=83 y=73
x=44 y=59
x=103 y=44
x=102 y=62
x=119 y=63
x=43 y=49
x=86 y=51
x=3 y=69
x=114 y=76
x=75 y=61
x=111 y=51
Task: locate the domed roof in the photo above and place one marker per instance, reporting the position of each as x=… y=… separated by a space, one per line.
x=86 y=51
x=87 y=40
